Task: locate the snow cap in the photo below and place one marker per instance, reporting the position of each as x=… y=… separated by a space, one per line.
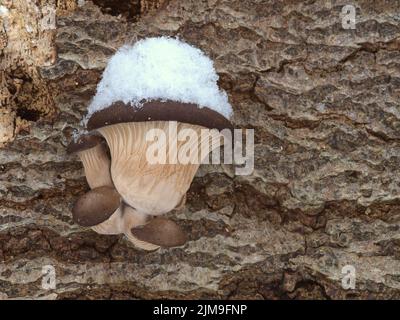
x=160 y=69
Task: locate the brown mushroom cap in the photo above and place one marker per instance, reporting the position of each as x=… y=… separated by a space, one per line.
x=162 y=232
x=84 y=142
x=156 y=110
x=96 y=206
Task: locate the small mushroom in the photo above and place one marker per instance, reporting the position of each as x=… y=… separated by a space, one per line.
x=123 y=221
x=96 y=206
x=160 y=231
x=102 y=201
x=96 y=162
x=133 y=219
x=101 y=208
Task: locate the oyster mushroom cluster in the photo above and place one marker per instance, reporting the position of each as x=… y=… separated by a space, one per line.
x=156 y=84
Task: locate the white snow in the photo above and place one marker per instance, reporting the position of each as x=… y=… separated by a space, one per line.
x=160 y=68
x=3 y=11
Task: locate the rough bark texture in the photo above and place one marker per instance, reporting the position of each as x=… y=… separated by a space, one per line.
x=325 y=193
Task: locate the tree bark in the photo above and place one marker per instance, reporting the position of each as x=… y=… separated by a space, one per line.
x=325 y=192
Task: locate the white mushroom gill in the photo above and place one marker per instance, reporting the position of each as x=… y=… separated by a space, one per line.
x=96 y=164
x=152 y=189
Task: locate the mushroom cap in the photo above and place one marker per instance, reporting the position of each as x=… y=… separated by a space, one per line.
x=160 y=68
x=96 y=206
x=160 y=231
x=120 y=112
x=84 y=142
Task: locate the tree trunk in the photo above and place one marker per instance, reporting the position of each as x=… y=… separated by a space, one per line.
x=323 y=200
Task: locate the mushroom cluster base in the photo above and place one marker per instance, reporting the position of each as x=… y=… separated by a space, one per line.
x=97 y=166
x=122 y=222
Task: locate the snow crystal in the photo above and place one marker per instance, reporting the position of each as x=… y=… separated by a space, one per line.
x=3 y=11
x=160 y=68
x=77 y=133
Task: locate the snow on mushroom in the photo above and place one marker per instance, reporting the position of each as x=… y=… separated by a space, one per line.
x=157 y=83
x=160 y=69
